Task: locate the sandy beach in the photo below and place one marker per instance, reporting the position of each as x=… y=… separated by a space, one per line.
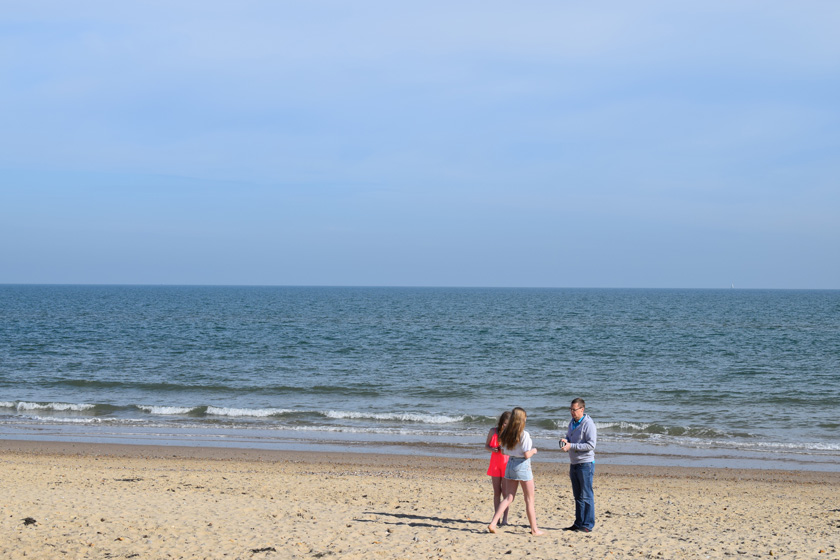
x=65 y=500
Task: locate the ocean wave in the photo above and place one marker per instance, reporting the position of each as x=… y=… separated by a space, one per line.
x=789 y=446
x=58 y=420
x=391 y=422
x=203 y=410
x=23 y=406
x=167 y=410
x=654 y=429
x=397 y=416
x=245 y=412
x=397 y=426
x=68 y=420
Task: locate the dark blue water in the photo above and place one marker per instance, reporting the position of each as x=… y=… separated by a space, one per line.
x=747 y=375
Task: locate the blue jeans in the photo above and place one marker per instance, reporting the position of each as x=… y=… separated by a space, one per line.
x=581 y=475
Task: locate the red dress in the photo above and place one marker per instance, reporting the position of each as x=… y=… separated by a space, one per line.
x=498 y=461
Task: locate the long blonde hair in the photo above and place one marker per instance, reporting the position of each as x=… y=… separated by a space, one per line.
x=512 y=433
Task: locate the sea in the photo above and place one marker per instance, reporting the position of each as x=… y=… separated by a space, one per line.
x=673 y=377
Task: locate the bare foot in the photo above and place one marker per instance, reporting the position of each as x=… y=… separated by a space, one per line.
x=537 y=532
x=491 y=528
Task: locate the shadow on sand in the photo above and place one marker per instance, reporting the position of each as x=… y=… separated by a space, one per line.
x=413 y=520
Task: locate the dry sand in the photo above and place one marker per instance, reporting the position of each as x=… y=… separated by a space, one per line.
x=108 y=501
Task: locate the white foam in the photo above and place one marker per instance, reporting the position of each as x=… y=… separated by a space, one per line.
x=66 y=420
x=402 y=417
x=623 y=425
x=245 y=412
x=379 y=430
x=59 y=407
x=166 y=410
x=808 y=446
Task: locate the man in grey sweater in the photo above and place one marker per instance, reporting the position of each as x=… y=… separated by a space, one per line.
x=580 y=441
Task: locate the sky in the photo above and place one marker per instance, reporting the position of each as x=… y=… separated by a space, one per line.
x=645 y=144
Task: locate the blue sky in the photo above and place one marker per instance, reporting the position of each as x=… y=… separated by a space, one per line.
x=568 y=144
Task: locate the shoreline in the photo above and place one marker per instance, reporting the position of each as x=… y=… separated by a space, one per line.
x=146 y=501
x=609 y=452
x=416 y=460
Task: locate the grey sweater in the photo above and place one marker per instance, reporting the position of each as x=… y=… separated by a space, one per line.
x=582 y=440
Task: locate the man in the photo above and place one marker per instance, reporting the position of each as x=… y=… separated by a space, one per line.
x=580 y=443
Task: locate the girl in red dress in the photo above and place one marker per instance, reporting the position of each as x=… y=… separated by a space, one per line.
x=498 y=462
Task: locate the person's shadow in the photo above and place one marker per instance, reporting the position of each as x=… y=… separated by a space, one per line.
x=413 y=520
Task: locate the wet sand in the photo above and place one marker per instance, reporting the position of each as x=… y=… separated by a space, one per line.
x=66 y=500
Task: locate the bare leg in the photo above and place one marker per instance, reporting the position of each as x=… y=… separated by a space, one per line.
x=504 y=517
x=510 y=490
x=498 y=494
x=528 y=493
x=498 y=491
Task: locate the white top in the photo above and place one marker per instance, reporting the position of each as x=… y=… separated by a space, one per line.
x=523 y=446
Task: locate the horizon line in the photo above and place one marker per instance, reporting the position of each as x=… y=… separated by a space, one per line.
x=404 y=286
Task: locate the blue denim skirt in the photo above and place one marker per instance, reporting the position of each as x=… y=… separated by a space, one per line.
x=518 y=468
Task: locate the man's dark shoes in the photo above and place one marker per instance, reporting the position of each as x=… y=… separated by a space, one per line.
x=583 y=530
x=572 y=528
